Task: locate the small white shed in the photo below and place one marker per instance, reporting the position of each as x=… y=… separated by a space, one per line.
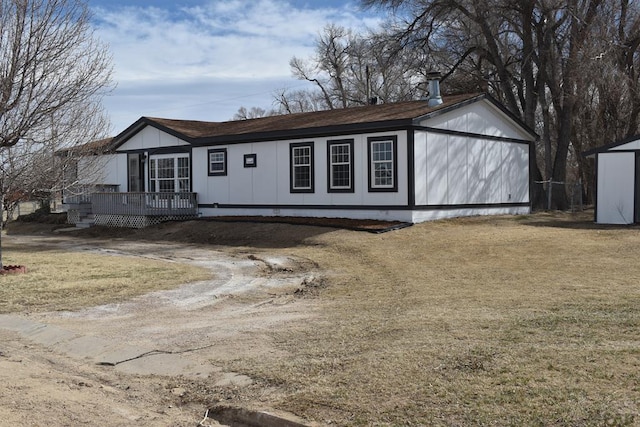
x=617 y=174
x=409 y=161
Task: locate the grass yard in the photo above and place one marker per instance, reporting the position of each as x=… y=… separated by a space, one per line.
x=531 y=320
x=481 y=321
x=68 y=280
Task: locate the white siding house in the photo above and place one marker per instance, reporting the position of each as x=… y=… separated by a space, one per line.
x=405 y=161
x=617 y=194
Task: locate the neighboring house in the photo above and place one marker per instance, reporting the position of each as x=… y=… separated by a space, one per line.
x=409 y=161
x=617 y=174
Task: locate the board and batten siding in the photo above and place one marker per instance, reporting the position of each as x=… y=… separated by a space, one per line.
x=457 y=170
x=615 y=188
x=108 y=169
x=468 y=165
x=268 y=184
x=149 y=138
x=481 y=118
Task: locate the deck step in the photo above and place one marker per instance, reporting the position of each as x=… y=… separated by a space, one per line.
x=86 y=221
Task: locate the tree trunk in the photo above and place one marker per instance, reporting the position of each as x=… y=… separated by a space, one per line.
x=1 y=227
x=538 y=195
x=559 y=198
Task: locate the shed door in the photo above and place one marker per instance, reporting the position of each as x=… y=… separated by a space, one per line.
x=636 y=210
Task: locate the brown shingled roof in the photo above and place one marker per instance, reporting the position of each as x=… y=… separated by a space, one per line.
x=355 y=115
x=100 y=146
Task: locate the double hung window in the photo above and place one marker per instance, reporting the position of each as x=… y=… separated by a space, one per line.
x=340 y=165
x=383 y=164
x=301 y=161
x=217 y=162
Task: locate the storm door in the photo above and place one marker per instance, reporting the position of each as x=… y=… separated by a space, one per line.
x=135 y=167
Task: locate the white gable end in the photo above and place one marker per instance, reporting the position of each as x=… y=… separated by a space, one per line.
x=150 y=137
x=633 y=145
x=481 y=118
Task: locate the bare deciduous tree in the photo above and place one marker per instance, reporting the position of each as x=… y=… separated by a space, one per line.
x=551 y=62
x=253 y=113
x=53 y=73
x=350 y=69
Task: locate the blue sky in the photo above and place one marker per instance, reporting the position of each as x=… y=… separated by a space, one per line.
x=204 y=59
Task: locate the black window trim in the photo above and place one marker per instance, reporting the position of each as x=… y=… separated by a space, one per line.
x=350 y=143
x=394 y=143
x=250 y=160
x=292 y=148
x=217 y=150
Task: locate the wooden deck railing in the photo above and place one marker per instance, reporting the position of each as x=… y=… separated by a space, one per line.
x=144 y=204
x=81 y=193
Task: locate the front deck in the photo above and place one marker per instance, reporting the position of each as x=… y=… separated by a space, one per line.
x=138 y=210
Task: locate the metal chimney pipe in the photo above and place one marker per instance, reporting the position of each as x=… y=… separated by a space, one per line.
x=433 y=79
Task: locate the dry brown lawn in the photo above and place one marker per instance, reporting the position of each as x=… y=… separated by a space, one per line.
x=531 y=320
x=481 y=321
x=68 y=280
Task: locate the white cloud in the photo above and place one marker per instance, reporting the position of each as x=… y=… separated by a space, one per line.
x=206 y=99
x=233 y=38
x=245 y=43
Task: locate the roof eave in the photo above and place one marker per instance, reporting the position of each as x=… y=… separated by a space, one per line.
x=607 y=147
x=473 y=100
x=302 y=133
x=448 y=108
x=140 y=124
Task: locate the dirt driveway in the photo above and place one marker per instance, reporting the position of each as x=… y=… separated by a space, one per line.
x=137 y=362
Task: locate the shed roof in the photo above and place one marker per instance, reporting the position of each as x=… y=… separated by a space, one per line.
x=309 y=124
x=608 y=147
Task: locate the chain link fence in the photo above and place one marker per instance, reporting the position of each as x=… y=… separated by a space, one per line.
x=574 y=192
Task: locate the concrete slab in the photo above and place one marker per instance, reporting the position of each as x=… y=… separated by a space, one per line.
x=86 y=347
x=18 y=323
x=122 y=353
x=134 y=359
x=165 y=364
x=48 y=335
x=40 y=333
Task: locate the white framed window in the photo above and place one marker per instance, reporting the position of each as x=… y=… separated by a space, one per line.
x=301 y=161
x=184 y=172
x=217 y=162
x=340 y=165
x=383 y=164
x=169 y=173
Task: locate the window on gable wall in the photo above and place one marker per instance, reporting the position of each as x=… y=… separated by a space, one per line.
x=383 y=164
x=340 y=165
x=301 y=161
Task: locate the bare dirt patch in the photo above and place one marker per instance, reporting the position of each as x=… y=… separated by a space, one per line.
x=168 y=335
